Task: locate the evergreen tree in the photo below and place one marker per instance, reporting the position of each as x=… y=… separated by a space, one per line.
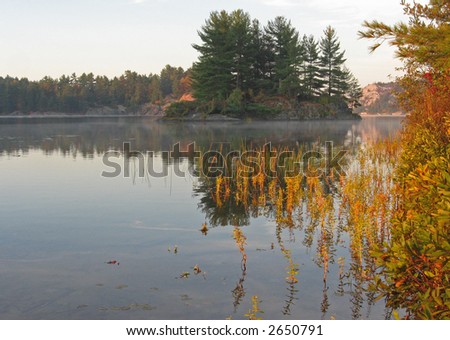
x=170 y=81
x=243 y=52
x=332 y=61
x=284 y=41
x=154 y=88
x=263 y=60
x=212 y=77
x=241 y=63
x=352 y=91
x=311 y=82
x=227 y=57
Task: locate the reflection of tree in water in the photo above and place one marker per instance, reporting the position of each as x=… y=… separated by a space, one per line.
x=229 y=213
x=88 y=136
x=330 y=212
x=325 y=302
x=239 y=292
x=327 y=211
x=291 y=271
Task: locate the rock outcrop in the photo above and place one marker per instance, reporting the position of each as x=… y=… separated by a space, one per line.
x=379 y=98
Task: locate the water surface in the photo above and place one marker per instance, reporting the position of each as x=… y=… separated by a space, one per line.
x=62 y=222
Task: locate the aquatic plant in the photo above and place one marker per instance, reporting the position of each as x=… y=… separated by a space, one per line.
x=253 y=314
x=355 y=208
x=240 y=240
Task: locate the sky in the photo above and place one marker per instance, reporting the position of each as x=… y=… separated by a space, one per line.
x=106 y=37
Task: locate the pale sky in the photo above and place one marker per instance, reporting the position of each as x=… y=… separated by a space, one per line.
x=107 y=37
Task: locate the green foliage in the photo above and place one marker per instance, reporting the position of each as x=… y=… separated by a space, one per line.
x=76 y=94
x=311 y=81
x=352 y=91
x=235 y=102
x=415 y=264
x=287 y=53
x=225 y=59
x=332 y=61
x=181 y=109
x=260 y=111
x=236 y=106
x=170 y=79
x=424 y=40
x=237 y=54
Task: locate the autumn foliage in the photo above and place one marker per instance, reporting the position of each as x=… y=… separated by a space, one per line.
x=415 y=264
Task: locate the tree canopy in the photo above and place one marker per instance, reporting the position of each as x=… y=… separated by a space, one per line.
x=242 y=62
x=242 y=66
x=76 y=94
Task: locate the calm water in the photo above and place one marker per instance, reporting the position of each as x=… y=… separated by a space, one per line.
x=62 y=222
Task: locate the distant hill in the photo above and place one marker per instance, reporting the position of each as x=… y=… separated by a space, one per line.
x=379 y=98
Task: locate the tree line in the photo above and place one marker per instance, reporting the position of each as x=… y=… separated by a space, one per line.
x=242 y=66
x=76 y=94
x=242 y=62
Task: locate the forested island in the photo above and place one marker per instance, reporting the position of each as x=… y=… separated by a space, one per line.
x=244 y=70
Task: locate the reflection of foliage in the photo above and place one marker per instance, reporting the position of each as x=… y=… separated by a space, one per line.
x=88 y=136
x=291 y=297
x=229 y=213
x=239 y=292
x=253 y=313
x=292 y=271
x=325 y=303
x=325 y=208
x=240 y=240
x=368 y=201
x=321 y=207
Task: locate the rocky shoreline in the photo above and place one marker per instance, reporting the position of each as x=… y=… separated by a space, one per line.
x=305 y=112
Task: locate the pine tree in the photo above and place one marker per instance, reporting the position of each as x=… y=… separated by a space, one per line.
x=212 y=75
x=170 y=81
x=423 y=42
x=236 y=57
x=263 y=60
x=311 y=83
x=284 y=40
x=352 y=91
x=332 y=61
x=243 y=53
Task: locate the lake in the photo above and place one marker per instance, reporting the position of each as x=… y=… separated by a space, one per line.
x=78 y=245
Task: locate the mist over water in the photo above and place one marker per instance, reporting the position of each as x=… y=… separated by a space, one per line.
x=76 y=245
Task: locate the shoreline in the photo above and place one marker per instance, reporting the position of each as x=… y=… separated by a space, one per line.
x=69 y=118
x=79 y=118
x=375 y=115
